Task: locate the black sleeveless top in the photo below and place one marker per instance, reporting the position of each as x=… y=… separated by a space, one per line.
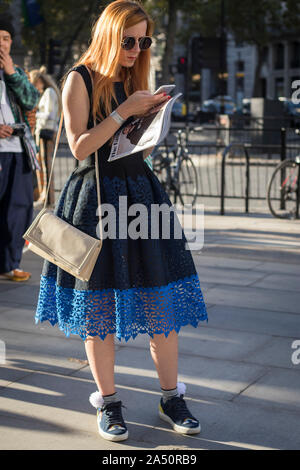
x=109 y=168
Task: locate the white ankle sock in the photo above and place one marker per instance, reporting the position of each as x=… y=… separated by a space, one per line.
x=110 y=398
x=167 y=394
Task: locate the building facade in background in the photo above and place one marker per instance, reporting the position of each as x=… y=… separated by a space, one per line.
x=280 y=68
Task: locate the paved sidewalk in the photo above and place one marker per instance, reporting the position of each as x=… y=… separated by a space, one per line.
x=241 y=380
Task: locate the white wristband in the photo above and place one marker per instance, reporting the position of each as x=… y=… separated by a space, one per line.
x=116 y=117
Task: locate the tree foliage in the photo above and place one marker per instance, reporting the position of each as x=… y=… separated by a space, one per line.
x=258 y=22
x=65 y=21
x=4 y=6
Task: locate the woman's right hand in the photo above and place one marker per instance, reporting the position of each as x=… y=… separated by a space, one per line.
x=141 y=102
x=5 y=131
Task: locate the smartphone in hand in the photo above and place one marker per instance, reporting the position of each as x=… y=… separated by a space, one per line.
x=165 y=89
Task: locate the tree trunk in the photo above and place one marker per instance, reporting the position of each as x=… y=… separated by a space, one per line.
x=170 y=39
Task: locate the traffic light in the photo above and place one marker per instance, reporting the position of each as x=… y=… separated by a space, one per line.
x=197 y=55
x=182 y=65
x=54 y=57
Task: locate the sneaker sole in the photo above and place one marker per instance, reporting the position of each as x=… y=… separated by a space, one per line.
x=177 y=427
x=15 y=279
x=111 y=437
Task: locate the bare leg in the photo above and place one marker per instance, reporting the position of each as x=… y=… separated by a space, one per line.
x=164 y=352
x=101 y=357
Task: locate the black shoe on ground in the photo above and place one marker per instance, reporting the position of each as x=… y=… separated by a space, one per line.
x=175 y=412
x=111 y=425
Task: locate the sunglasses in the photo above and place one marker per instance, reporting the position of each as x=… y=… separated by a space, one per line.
x=129 y=43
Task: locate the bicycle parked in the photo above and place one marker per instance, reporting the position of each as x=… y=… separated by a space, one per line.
x=283 y=194
x=176 y=170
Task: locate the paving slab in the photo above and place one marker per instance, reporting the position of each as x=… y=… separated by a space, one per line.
x=51 y=412
x=41 y=351
x=257 y=320
x=233 y=426
x=278 y=388
x=22 y=318
x=10 y=374
x=6 y=286
x=245 y=264
x=282 y=281
x=275 y=300
x=212 y=261
x=23 y=295
x=277 y=352
x=252 y=238
x=252 y=223
x=237 y=277
x=275 y=267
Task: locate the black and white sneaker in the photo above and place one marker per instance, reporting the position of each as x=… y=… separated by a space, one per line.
x=175 y=412
x=111 y=425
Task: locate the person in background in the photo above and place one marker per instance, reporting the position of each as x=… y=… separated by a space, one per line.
x=49 y=107
x=17 y=95
x=47 y=118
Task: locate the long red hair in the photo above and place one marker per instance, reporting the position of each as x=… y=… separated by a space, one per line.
x=102 y=56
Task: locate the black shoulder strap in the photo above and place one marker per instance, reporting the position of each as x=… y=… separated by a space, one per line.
x=86 y=77
x=88 y=83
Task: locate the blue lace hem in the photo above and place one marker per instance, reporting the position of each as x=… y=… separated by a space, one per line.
x=125 y=313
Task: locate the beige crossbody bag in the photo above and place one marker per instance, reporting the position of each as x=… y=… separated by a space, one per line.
x=59 y=242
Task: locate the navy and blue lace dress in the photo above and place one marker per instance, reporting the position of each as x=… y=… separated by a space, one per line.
x=139 y=284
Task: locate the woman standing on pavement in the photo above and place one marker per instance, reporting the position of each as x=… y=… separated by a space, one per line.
x=139 y=285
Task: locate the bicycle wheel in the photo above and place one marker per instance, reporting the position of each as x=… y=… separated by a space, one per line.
x=283 y=190
x=161 y=167
x=187 y=181
x=165 y=169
